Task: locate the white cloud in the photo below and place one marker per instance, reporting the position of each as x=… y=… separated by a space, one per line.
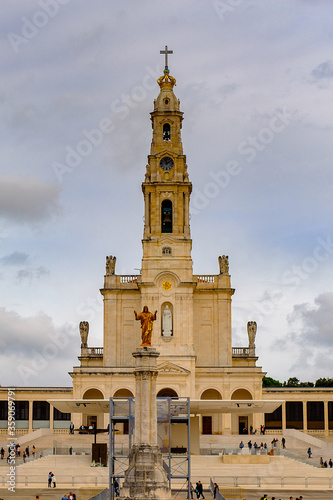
x=323 y=70
x=312 y=324
x=32 y=273
x=14 y=259
x=232 y=74
x=27 y=199
x=32 y=349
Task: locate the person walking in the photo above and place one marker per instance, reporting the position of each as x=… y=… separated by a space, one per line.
x=116 y=487
x=49 y=480
x=200 y=490
x=283 y=441
x=216 y=489
x=309 y=452
x=54 y=481
x=191 y=490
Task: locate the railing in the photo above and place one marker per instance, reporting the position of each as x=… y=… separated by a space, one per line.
x=63 y=480
x=208 y=278
x=95 y=351
x=132 y=278
x=241 y=351
x=272 y=481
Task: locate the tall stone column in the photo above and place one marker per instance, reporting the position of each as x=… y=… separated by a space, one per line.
x=145 y=477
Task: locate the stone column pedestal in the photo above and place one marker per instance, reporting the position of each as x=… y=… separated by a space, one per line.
x=145 y=477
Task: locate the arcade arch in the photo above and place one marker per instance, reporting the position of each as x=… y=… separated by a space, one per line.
x=211 y=424
x=97 y=420
x=242 y=424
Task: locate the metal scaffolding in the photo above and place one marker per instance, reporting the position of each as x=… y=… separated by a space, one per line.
x=174 y=445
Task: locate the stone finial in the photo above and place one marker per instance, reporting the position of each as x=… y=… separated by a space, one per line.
x=110 y=264
x=224 y=264
x=84 y=330
x=251 y=331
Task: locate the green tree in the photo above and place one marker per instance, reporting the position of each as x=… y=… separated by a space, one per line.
x=295 y=382
x=324 y=382
x=292 y=382
x=270 y=382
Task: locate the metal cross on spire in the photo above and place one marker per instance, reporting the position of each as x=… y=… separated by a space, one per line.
x=166 y=52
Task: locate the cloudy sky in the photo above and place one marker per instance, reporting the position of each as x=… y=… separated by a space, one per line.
x=255 y=80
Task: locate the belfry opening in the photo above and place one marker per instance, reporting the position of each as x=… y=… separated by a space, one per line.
x=167 y=216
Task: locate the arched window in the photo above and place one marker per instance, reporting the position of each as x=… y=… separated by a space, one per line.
x=93 y=394
x=166 y=216
x=167 y=392
x=166 y=132
x=123 y=393
x=166 y=251
x=241 y=394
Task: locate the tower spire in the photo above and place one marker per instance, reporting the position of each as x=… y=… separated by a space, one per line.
x=166 y=52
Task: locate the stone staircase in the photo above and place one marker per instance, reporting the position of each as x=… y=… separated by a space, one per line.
x=68 y=470
x=277 y=471
x=75 y=471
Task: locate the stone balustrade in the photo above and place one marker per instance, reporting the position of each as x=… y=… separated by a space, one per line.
x=132 y=278
x=122 y=281
x=242 y=352
x=95 y=351
x=206 y=280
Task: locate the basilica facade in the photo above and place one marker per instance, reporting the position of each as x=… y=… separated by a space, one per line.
x=191 y=317
x=192 y=330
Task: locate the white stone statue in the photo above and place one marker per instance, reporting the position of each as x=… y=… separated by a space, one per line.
x=251 y=331
x=110 y=264
x=224 y=264
x=84 y=330
x=167 y=322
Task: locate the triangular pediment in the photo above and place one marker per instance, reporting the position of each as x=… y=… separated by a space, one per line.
x=171 y=368
x=167 y=240
x=165 y=151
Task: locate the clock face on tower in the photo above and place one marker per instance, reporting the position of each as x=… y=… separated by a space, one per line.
x=166 y=163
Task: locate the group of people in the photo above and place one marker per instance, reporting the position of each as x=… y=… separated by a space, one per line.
x=323 y=463
x=25 y=454
x=198 y=490
x=254 y=431
x=70 y=496
x=255 y=445
x=265 y=497
x=51 y=480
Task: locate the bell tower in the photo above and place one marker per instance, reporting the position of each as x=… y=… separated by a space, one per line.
x=166 y=239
